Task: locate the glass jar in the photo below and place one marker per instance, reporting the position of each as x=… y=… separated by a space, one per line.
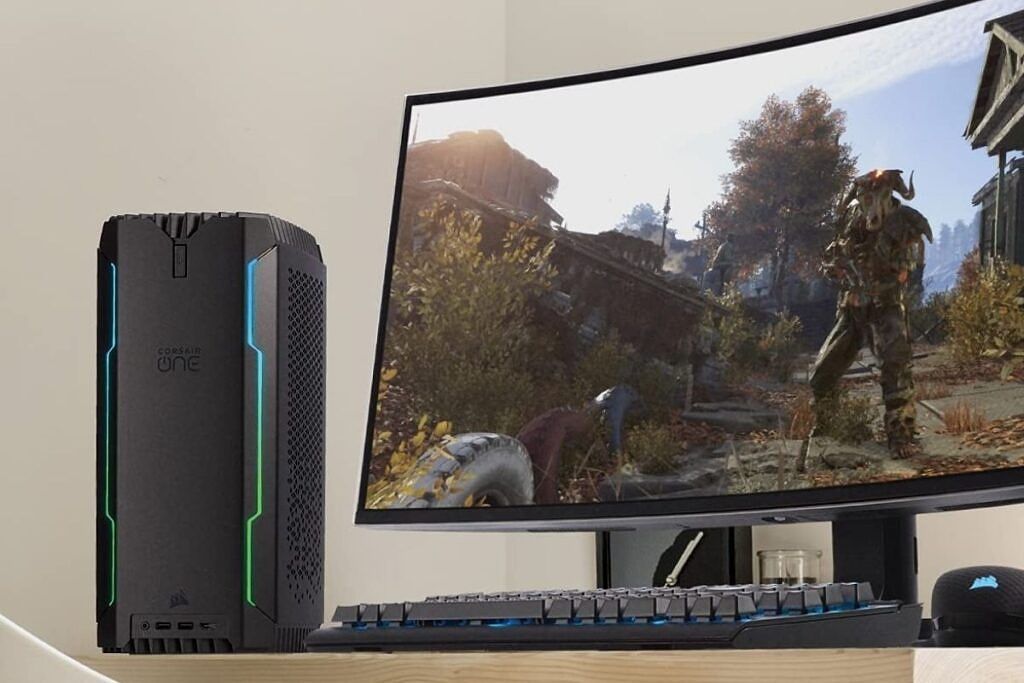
x=789 y=566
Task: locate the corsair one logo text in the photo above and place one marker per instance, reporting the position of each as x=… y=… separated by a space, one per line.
x=985 y=582
x=178 y=358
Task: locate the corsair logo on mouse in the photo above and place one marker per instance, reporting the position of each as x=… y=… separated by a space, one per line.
x=985 y=582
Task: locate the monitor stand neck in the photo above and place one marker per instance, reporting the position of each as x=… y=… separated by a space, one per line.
x=882 y=550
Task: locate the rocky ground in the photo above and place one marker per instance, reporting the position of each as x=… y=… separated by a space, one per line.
x=968 y=420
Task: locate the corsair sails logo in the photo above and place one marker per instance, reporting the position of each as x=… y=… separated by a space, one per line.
x=985 y=582
x=178 y=599
x=178 y=359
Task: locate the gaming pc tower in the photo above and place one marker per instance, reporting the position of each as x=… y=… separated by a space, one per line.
x=210 y=433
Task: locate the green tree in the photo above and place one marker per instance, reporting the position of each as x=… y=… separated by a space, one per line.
x=790 y=170
x=460 y=332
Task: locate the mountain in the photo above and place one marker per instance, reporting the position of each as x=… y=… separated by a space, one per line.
x=944 y=256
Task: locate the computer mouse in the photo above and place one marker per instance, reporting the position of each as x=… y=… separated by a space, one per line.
x=978 y=607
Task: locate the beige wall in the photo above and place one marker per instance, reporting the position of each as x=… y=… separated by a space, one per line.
x=556 y=37
x=292 y=108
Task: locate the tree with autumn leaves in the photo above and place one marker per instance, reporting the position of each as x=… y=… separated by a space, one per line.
x=781 y=199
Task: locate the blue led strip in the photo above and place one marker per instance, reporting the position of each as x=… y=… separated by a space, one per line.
x=250 y=317
x=106 y=435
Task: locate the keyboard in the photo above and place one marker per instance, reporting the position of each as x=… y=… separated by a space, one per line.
x=749 y=616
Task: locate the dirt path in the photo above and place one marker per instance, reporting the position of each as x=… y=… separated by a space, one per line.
x=997 y=407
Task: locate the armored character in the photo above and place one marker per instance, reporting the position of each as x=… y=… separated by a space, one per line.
x=878 y=246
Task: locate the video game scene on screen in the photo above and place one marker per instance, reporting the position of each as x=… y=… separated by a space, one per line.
x=798 y=269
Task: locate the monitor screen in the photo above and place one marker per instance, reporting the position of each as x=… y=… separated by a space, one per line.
x=776 y=277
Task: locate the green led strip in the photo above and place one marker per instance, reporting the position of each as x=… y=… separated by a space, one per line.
x=106 y=434
x=250 y=313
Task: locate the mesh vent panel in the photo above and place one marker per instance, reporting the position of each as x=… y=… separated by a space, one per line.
x=178 y=226
x=172 y=646
x=290 y=638
x=305 y=436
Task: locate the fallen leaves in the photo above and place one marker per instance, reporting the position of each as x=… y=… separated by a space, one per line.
x=960 y=373
x=696 y=433
x=1001 y=435
x=863 y=475
x=925 y=391
x=959 y=464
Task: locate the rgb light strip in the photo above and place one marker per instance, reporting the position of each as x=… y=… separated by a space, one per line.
x=106 y=435
x=250 y=317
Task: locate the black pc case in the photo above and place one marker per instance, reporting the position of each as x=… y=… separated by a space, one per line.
x=210 y=434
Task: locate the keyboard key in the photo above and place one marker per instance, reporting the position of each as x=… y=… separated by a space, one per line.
x=368 y=613
x=833 y=596
x=800 y=601
x=475 y=611
x=703 y=608
x=676 y=609
x=608 y=610
x=584 y=610
x=392 y=613
x=812 y=600
x=728 y=609
x=768 y=602
x=745 y=606
x=560 y=610
x=638 y=608
x=347 y=614
x=857 y=594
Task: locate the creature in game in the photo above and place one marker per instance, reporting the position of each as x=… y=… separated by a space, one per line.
x=878 y=246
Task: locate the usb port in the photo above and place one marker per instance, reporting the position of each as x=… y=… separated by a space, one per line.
x=207 y=625
x=163 y=626
x=185 y=625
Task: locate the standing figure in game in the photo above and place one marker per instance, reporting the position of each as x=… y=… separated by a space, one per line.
x=878 y=245
x=722 y=264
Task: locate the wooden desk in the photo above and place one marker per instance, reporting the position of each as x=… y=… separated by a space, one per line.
x=791 y=666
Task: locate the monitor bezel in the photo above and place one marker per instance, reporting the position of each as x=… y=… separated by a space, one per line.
x=927 y=494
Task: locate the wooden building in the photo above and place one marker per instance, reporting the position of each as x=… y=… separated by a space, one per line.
x=606 y=281
x=483 y=164
x=997 y=125
x=1009 y=243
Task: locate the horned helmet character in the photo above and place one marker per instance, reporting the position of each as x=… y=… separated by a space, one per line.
x=872 y=193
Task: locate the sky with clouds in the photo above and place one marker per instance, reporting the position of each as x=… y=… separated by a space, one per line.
x=907 y=89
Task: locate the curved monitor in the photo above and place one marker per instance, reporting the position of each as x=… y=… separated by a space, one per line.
x=774 y=283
